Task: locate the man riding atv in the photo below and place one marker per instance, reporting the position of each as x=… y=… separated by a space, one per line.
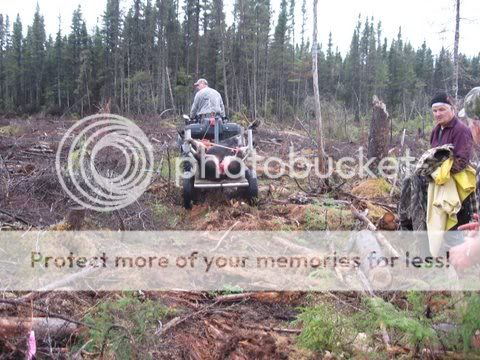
x=215 y=150
x=207 y=101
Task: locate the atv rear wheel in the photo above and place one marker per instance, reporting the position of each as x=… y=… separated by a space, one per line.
x=252 y=189
x=188 y=188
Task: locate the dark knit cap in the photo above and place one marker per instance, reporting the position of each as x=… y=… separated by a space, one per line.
x=442 y=97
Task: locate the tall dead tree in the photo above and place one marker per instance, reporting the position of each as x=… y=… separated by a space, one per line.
x=316 y=93
x=456 y=64
x=221 y=23
x=378 y=136
x=197 y=39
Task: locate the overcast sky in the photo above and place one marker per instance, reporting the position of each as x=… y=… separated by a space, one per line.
x=430 y=20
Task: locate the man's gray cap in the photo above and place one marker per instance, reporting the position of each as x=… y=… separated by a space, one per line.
x=199 y=81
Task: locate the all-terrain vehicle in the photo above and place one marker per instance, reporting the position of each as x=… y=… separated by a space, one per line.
x=215 y=153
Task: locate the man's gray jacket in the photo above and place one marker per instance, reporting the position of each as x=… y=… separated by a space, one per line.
x=206 y=101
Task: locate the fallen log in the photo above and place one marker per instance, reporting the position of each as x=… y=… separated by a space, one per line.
x=389 y=207
x=50 y=314
x=11 y=327
x=16 y=217
x=224 y=236
x=370 y=253
x=381 y=239
x=266 y=328
x=179 y=319
x=41 y=154
x=271 y=142
x=60 y=283
x=259 y=296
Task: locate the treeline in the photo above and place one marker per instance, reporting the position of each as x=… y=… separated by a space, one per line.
x=146 y=60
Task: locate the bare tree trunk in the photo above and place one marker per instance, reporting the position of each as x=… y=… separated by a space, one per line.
x=254 y=83
x=187 y=56
x=59 y=96
x=293 y=65
x=316 y=93
x=129 y=87
x=120 y=98
x=235 y=88
x=224 y=69
x=197 y=40
x=455 y=51
x=378 y=137
x=167 y=71
x=281 y=96
x=115 y=74
x=249 y=89
x=88 y=90
x=265 y=100
x=163 y=93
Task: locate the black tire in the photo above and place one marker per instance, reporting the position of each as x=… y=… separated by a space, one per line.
x=252 y=190
x=188 y=187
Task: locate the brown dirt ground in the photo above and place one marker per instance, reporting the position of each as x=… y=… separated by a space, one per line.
x=31 y=198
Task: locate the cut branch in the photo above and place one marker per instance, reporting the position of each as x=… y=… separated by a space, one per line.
x=370 y=226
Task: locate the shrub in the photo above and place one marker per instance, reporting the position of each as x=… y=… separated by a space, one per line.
x=125 y=326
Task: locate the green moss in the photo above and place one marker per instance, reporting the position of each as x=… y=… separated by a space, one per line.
x=315 y=218
x=11 y=130
x=318 y=217
x=164 y=213
x=384 y=185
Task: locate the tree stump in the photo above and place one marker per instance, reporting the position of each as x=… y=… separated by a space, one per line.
x=75 y=217
x=378 y=136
